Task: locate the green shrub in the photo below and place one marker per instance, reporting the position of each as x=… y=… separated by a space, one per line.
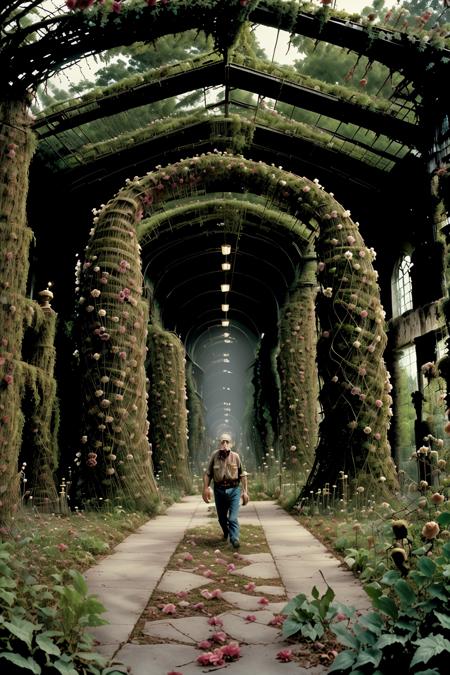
x=410 y=632
x=42 y=629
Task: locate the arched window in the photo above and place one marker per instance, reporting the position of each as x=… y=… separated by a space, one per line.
x=402 y=286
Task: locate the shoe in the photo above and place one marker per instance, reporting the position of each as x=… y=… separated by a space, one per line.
x=225 y=536
x=235 y=543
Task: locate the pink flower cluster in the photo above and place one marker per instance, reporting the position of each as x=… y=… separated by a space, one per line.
x=219 y=656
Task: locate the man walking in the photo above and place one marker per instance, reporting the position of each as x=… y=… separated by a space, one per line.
x=225 y=469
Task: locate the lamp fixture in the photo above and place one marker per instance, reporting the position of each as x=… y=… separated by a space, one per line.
x=226 y=249
x=226 y=335
x=225 y=308
x=224 y=288
x=226 y=267
x=225 y=323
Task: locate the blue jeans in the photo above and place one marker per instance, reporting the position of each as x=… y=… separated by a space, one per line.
x=227 y=506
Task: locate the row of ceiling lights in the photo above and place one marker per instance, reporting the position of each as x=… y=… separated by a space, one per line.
x=225 y=288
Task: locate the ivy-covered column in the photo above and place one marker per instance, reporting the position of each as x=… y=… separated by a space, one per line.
x=298 y=373
x=114 y=451
x=167 y=408
x=40 y=443
x=355 y=392
x=16 y=149
x=198 y=448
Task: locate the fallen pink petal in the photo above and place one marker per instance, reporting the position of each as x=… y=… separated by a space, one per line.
x=215 y=621
x=263 y=601
x=204 y=644
x=250 y=586
x=277 y=620
x=219 y=636
x=169 y=608
x=250 y=617
x=231 y=651
x=206 y=594
x=285 y=655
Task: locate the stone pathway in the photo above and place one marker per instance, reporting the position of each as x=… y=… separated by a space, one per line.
x=125 y=580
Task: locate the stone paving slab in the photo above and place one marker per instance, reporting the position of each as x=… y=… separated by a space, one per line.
x=161 y=659
x=125 y=580
x=250 y=632
x=174 y=581
x=257 y=557
x=259 y=570
x=122 y=607
x=270 y=590
x=189 y=630
x=250 y=602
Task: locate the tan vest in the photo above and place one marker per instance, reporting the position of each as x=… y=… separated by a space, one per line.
x=224 y=469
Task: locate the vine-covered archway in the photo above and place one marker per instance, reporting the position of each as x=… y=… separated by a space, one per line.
x=355 y=384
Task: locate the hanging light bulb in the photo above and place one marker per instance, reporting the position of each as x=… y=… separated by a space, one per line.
x=226 y=267
x=225 y=323
x=225 y=308
x=226 y=249
x=227 y=335
x=224 y=288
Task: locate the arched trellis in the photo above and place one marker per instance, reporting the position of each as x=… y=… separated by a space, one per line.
x=355 y=394
x=63 y=39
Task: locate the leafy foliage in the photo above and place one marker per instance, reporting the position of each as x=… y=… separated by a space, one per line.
x=309 y=618
x=42 y=629
x=411 y=629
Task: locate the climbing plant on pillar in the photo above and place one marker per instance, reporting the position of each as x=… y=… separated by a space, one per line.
x=167 y=408
x=198 y=448
x=16 y=149
x=115 y=459
x=355 y=393
x=298 y=373
x=353 y=435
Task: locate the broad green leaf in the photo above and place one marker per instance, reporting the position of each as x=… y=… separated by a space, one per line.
x=7 y=597
x=345 y=636
x=364 y=635
x=47 y=645
x=325 y=601
x=315 y=593
x=290 y=627
x=312 y=632
x=429 y=671
x=22 y=629
x=294 y=604
x=386 y=605
x=93 y=657
x=64 y=668
x=369 y=655
x=343 y=661
x=444 y=519
x=390 y=639
x=405 y=592
x=444 y=619
x=426 y=566
x=429 y=647
x=409 y=626
x=390 y=577
x=373 y=590
x=437 y=591
x=79 y=582
x=372 y=621
x=22 y=662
